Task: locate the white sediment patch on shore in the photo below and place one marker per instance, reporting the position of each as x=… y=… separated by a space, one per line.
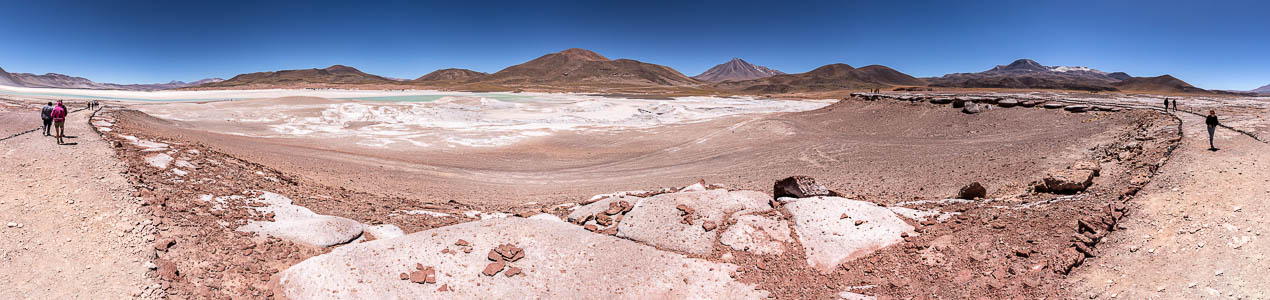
x=465 y=119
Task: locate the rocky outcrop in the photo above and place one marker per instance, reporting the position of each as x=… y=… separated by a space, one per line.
x=971 y=191
x=555 y=260
x=1066 y=181
x=800 y=187
x=835 y=230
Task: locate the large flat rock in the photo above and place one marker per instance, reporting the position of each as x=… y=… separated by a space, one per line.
x=658 y=221
x=757 y=234
x=830 y=239
x=561 y=261
x=301 y=225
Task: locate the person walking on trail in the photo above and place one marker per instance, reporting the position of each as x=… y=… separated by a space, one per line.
x=46 y=116
x=1211 y=120
x=59 y=120
x=1174 y=105
x=1166 y=104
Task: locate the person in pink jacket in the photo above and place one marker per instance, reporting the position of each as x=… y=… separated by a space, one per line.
x=59 y=120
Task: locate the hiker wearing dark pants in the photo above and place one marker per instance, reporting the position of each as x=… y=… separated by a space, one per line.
x=1211 y=120
x=45 y=115
x=1166 y=104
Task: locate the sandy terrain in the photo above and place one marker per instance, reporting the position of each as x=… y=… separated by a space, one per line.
x=71 y=226
x=1199 y=230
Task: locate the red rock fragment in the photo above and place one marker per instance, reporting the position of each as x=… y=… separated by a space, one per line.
x=444 y=288
x=590 y=227
x=513 y=271
x=493 y=268
x=859 y=222
x=684 y=209
x=163 y=244
x=709 y=225
x=614 y=208
x=626 y=206
x=418 y=277
x=844 y=216
x=404 y=276
x=494 y=256
x=461 y=243
x=518 y=256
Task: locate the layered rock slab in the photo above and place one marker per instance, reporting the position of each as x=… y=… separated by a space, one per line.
x=757 y=234
x=835 y=230
x=660 y=221
x=561 y=261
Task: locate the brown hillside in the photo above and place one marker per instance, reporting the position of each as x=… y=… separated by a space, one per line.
x=452 y=74
x=1158 y=84
x=825 y=78
x=337 y=74
x=579 y=67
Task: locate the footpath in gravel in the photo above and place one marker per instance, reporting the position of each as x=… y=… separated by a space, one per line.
x=1198 y=230
x=69 y=228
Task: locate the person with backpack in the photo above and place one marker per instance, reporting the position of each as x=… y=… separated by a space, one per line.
x=59 y=120
x=46 y=117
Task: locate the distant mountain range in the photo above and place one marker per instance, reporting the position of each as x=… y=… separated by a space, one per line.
x=1028 y=74
x=736 y=70
x=54 y=80
x=580 y=70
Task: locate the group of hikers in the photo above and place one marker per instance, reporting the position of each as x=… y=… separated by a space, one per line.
x=1210 y=121
x=54 y=117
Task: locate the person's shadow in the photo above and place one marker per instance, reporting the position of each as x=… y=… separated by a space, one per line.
x=69 y=144
x=1213 y=149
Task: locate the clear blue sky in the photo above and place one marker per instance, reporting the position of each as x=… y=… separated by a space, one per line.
x=1211 y=44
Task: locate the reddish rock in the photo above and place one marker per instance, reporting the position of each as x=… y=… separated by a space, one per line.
x=709 y=225
x=590 y=227
x=444 y=288
x=971 y=191
x=418 y=266
x=494 y=256
x=603 y=219
x=626 y=206
x=404 y=276
x=685 y=210
x=461 y=243
x=418 y=277
x=493 y=268
x=844 y=216
x=167 y=270
x=614 y=208
x=163 y=244
x=612 y=230
x=467 y=249
x=859 y=222
x=513 y=271
x=518 y=256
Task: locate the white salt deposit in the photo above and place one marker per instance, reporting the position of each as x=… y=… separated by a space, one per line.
x=299 y=224
x=469 y=119
x=160 y=160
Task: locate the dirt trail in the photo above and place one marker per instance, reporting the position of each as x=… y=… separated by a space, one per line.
x=69 y=228
x=1197 y=229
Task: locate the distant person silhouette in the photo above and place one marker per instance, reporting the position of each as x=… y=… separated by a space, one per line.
x=1211 y=120
x=45 y=115
x=1174 y=105
x=1166 y=104
x=59 y=120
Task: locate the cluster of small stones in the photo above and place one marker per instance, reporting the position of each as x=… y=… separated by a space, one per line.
x=609 y=218
x=501 y=257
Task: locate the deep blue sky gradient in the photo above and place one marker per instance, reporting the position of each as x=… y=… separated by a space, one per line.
x=1211 y=44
